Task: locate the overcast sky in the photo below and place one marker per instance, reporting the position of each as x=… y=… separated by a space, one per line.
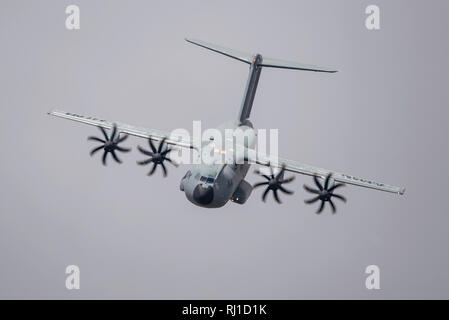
x=383 y=116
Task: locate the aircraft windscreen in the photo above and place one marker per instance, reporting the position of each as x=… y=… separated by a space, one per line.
x=207 y=179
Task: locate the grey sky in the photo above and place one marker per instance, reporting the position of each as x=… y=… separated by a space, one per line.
x=382 y=116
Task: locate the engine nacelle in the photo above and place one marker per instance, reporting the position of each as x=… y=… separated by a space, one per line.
x=242 y=193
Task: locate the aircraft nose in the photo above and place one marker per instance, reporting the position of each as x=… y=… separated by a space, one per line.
x=203 y=195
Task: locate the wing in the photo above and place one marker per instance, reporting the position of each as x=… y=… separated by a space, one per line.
x=176 y=139
x=262 y=159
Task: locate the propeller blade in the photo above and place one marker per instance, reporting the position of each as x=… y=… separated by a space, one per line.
x=163 y=153
x=280 y=173
x=288 y=180
x=153 y=148
x=285 y=190
x=114 y=131
x=104 y=133
x=123 y=149
x=121 y=139
x=332 y=206
x=318 y=183
x=164 y=169
x=105 y=154
x=338 y=185
x=264 y=195
x=339 y=197
x=306 y=187
x=260 y=184
x=94 y=150
x=171 y=161
x=148 y=153
x=96 y=139
x=161 y=145
x=276 y=196
x=114 y=155
x=326 y=182
x=153 y=169
x=144 y=162
x=313 y=200
x=321 y=207
x=262 y=175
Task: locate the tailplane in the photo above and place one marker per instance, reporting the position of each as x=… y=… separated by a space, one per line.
x=250 y=58
x=256 y=62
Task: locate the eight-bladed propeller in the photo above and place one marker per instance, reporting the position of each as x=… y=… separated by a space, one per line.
x=109 y=144
x=274 y=183
x=324 y=193
x=157 y=156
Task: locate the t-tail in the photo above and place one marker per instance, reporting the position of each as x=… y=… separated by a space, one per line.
x=256 y=62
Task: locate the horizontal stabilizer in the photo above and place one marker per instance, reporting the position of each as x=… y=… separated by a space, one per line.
x=276 y=63
x=266 y=62
x=242 y=56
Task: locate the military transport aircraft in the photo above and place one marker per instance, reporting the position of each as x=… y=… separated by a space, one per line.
x=212 y=185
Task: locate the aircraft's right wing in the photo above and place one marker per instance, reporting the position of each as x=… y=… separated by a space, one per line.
x=293 y=166
x=155 y=134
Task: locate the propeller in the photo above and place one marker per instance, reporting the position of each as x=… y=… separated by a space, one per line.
x=157 y=156
x=109 y=144
x=324 y=193
x=274 y=183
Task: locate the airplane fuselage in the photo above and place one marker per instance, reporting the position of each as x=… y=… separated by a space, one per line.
x=212 y=185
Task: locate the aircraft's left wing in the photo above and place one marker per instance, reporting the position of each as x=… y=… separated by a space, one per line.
x=262 y=159
x=157 y=135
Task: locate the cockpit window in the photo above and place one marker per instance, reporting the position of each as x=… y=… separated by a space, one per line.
x=207 y=179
